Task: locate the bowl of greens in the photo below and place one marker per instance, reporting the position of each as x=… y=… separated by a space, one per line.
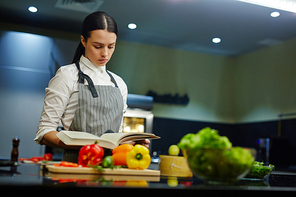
x=212 y=158
x=259 y=171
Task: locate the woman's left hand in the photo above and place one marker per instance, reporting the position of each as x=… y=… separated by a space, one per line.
x=145 y=142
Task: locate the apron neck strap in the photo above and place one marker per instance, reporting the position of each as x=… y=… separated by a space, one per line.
x=82 y=76
x=112 y=79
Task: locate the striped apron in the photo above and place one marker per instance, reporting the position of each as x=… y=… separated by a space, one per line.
x=100 y=108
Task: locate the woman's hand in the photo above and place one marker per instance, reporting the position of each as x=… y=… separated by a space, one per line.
x=145 y=142
x=51 y=139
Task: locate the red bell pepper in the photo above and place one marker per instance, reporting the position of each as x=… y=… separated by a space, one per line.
x=90 y=155
x=47 y=157
x=36 y=159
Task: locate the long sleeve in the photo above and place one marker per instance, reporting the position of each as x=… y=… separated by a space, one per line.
x=56 y=100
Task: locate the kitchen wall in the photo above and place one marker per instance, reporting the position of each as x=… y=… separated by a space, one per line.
x=27 y=62
x=205 y=78
x=265 y=83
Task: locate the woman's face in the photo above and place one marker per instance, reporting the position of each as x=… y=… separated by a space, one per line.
x=99 y=46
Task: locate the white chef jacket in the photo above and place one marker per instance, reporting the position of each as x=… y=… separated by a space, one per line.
x=61 y=99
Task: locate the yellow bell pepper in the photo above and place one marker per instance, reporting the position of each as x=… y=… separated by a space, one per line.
x=138 y=158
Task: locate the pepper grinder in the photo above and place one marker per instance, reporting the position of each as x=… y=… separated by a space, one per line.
x=15 y=152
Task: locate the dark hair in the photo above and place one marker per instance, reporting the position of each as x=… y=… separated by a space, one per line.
x=94 y=21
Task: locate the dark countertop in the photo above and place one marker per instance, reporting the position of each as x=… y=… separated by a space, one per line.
x=31 y=177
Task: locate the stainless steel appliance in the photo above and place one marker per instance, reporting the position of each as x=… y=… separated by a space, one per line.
x=138 y=117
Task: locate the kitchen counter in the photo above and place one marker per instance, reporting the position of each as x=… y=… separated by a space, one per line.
x=30 y=178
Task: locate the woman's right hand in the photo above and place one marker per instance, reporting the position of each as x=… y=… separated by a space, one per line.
x=51 y=139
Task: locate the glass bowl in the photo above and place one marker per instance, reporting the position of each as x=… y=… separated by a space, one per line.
x=215 y=165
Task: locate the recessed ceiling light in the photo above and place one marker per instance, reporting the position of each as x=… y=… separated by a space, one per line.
x=132 y=26
x=32 y=9
x=216 y=40
x=275 y=14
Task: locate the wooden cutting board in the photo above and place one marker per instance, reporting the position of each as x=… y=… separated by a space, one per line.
x=86 y=170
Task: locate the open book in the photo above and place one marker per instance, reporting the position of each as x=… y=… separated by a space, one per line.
x=107 y=140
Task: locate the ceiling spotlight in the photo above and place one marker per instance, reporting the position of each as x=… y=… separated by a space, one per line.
x=32 y=9
x=132 y=26
x=216 y=40
x=275 y=14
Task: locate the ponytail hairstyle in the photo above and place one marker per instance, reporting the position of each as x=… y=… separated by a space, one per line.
x=95 y=21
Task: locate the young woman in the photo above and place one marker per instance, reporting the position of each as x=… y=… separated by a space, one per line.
x=85 y=96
